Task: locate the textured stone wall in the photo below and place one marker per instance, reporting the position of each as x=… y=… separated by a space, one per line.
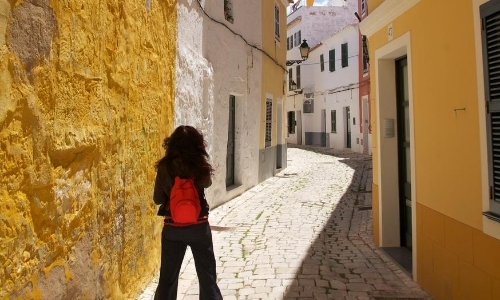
x=86 y=97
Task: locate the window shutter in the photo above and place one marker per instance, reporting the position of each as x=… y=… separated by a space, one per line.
x=490 y=14
x=297 y=75
x=345 y=58
x=322 y=62
x=331 y=58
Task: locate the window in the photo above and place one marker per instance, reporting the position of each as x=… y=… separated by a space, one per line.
x=288 y=43
x=290 y=78
x=291 y=122
x=228 y=10
x=291 y=41
x=276 y=21
x=490 y=15
x=297 y=37
x=345 y=58
x=331 y=58
x=363 y=7
x=322 y=62
x=269 y=119
x=298 y=76
x=365 y=64
x=366 y=59
x=333 y=115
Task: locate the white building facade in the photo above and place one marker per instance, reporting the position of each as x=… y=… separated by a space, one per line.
x=323 y=103
x=218 y=86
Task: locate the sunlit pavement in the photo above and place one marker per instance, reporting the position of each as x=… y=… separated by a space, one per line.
x=305 y=233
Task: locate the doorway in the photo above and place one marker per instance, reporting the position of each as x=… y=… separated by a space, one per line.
x=298 y=118
x=230 y=142
x=347 y=113
x=365 y=125
x=279 y=135
x=404 y=158
x=324 y=136
x=394 y=217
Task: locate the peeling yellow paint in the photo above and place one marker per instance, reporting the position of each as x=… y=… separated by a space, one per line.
x=81 y=125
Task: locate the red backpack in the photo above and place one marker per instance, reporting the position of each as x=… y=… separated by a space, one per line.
x=185 y=205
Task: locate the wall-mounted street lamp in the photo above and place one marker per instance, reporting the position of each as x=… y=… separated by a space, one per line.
x=293 y=88
x=304 y=53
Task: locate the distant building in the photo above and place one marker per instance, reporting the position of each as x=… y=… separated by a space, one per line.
x=324 y=106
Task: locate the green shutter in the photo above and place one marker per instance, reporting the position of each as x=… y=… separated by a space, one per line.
x=331 y=58
x=345 y=57
x=297 y=75
x=490 y=14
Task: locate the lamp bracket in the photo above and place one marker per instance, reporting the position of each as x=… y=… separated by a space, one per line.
x=291 y=62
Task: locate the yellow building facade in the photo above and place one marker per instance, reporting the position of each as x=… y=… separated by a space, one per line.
x=431 y=168
x=272 y=142
x=86 y=97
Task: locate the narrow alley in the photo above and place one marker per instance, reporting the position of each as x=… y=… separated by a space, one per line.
x=302 y=234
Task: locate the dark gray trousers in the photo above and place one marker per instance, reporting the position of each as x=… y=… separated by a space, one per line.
x=174 y=242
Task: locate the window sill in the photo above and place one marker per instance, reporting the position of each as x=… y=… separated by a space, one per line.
x=492 y=216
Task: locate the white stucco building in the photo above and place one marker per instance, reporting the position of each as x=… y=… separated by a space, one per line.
x=323 y=106
x=220 y=57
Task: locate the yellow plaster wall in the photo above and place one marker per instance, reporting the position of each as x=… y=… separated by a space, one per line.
x=86 y=99
x=447 y=152
x=272 y=74
x=455 y=260
x=373 y=4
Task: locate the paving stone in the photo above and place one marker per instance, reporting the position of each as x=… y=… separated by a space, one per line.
x=301 y=236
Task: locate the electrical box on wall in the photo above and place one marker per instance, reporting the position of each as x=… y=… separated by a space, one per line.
x=308 y=104
x=389 y=129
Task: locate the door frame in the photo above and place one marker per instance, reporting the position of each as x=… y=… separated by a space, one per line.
x=386 y=209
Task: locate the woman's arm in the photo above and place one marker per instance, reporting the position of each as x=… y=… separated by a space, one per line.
x=160 y=195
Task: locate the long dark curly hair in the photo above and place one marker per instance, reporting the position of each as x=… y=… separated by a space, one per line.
x=186 y=154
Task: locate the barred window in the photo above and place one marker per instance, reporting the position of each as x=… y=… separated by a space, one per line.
x=269 y=119
x=277 y=21
x=333 y=116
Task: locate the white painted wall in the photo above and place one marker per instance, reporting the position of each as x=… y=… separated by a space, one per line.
x=332 y=90
x=212 y=63
x=318 y=22
x=326 y=28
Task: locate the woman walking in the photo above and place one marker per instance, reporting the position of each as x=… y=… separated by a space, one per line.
x=186 y=157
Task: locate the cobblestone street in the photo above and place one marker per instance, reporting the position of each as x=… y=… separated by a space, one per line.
x=303 y=234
